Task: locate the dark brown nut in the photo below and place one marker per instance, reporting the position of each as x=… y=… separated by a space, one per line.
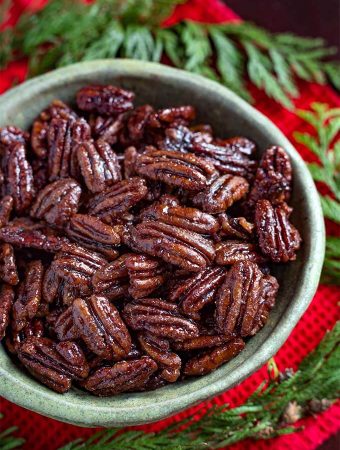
x=159 y=318
x=176 y=115
x=146 y=274
x=6 y=302
x=76 y=265
x=6 y=208
x=18 y=173
x=64 y=326
x=29 y=295
x=190 y=219
x=106 y=100
x=159 y=350
x=235 y=227
x=273 y=179
x=181 y=138
x=8 y=268
x=10 y=136
x=238 y=144
x=212 y=359
x=136 y=125
x=99 y=165
x=124 y=376
x=100 y=326
x=241 y=298
x=107 y=128
x=57 y=109
x=112 y=280
x=278 y=238
x=57 y=202
x=221 y=194
x=197 y=291
x=92 y=233
x=230 y=252
x=14 y=339
x=40 y=173
x=118 y=199
x=54 y=364
x=200 y=342
x=56 y=290
x=130 y=158
x=174 y=245
x=183 y=170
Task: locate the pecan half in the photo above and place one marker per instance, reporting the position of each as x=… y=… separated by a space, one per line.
x=235 y=227
x=8 y=268
x=6 y=302
x=136 y=125
x=238 y=144
x=6 y=208
x=230 y=252
x=200 y=342
x=104 y=100
x=107 y=128
x=130 y=158
x=9 y=136
x=56 y=290
x=278 y=238
x=146 y=274
x=101 y=327
x=112 y=279
x=177 y=114
x=64 y=327
x=14 y=339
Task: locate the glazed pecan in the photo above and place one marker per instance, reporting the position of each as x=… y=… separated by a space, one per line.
x=221 y=194
x=174 y=245
x=112 y=280
x=177 y=169
x=100 y=326
x=14 y=339
x=235 y=227
x=181 y=138
x=57 y=109
x=159 y=350
x=242 y=297
x=29 y=295
x=6 y=303
x=56 y=289
x=124 y=376
x=159 y=318
x=99 y=165
x=40 y=173
x=76 y=265
x=18 y=173
x=175 y=115
x=54 y=364
x=92 y=233
x=64 y=326
x=136 y=125
x=9 y=136
x=8 y=268
x=278 y=238
x=197 y=291
x=200 y=342
x=146 y=274
x=6 y=208
x=273 y=179
x=130 y=158
x=118 y=199
x=212 y=359
x=105 y=100
x=230 y=252
x=57 y=202
x=238 y=144
x=107 y=128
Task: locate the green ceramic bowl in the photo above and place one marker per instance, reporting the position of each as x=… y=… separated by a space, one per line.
x=163 y=86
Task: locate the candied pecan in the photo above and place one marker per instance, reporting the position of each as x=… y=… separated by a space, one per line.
x=8 y=268
x=100 y=326
x=177 y=114
x=6 y=207
x=57 y=109
x=212 y=359
x=146 y=274
x=77 y=265
x=118 y=199
x=159 y=350
x=181 y=138
x=104 y=100
x=238 y=144
x=99 y=165
x=56 y=290
x=10 y=136
x=235 y=227
x=199 y=342
x=14 y=339
x=18 y=177
x=240 y=299
x=22 y=236
x=177 y=169
x=230 y=252
x=112 y=280
x=124 y=376
x=190 y=219
x=107 y=128
x=197 y=291
x=174 y=245
x=40 y=173
x=6 y=303
x=57 y=202
x=130 y=158
x=221 y=194
x=54 y=364
x=92 y=233
x=278 y=238
x=29 y=295
x=273 y=178
x=160 y=318
x=136 y=125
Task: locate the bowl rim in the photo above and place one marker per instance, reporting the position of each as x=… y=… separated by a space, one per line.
x=38 y=398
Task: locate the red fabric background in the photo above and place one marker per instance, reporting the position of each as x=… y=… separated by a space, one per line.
x=42 y=433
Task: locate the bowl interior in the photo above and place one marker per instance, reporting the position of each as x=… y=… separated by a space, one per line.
x=229 y=116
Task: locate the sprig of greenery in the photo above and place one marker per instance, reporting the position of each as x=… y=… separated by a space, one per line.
x=67 y=31
x=8 y=440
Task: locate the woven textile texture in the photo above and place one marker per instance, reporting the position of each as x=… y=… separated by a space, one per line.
x=46 y=434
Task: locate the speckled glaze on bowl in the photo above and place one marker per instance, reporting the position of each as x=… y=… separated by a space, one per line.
x=163 y=86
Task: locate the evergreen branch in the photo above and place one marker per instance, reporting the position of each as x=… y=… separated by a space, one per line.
x=331 y=271
x=67 y=31
x=8 y=440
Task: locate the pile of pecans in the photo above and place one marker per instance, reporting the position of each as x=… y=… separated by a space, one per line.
x=135 y=247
